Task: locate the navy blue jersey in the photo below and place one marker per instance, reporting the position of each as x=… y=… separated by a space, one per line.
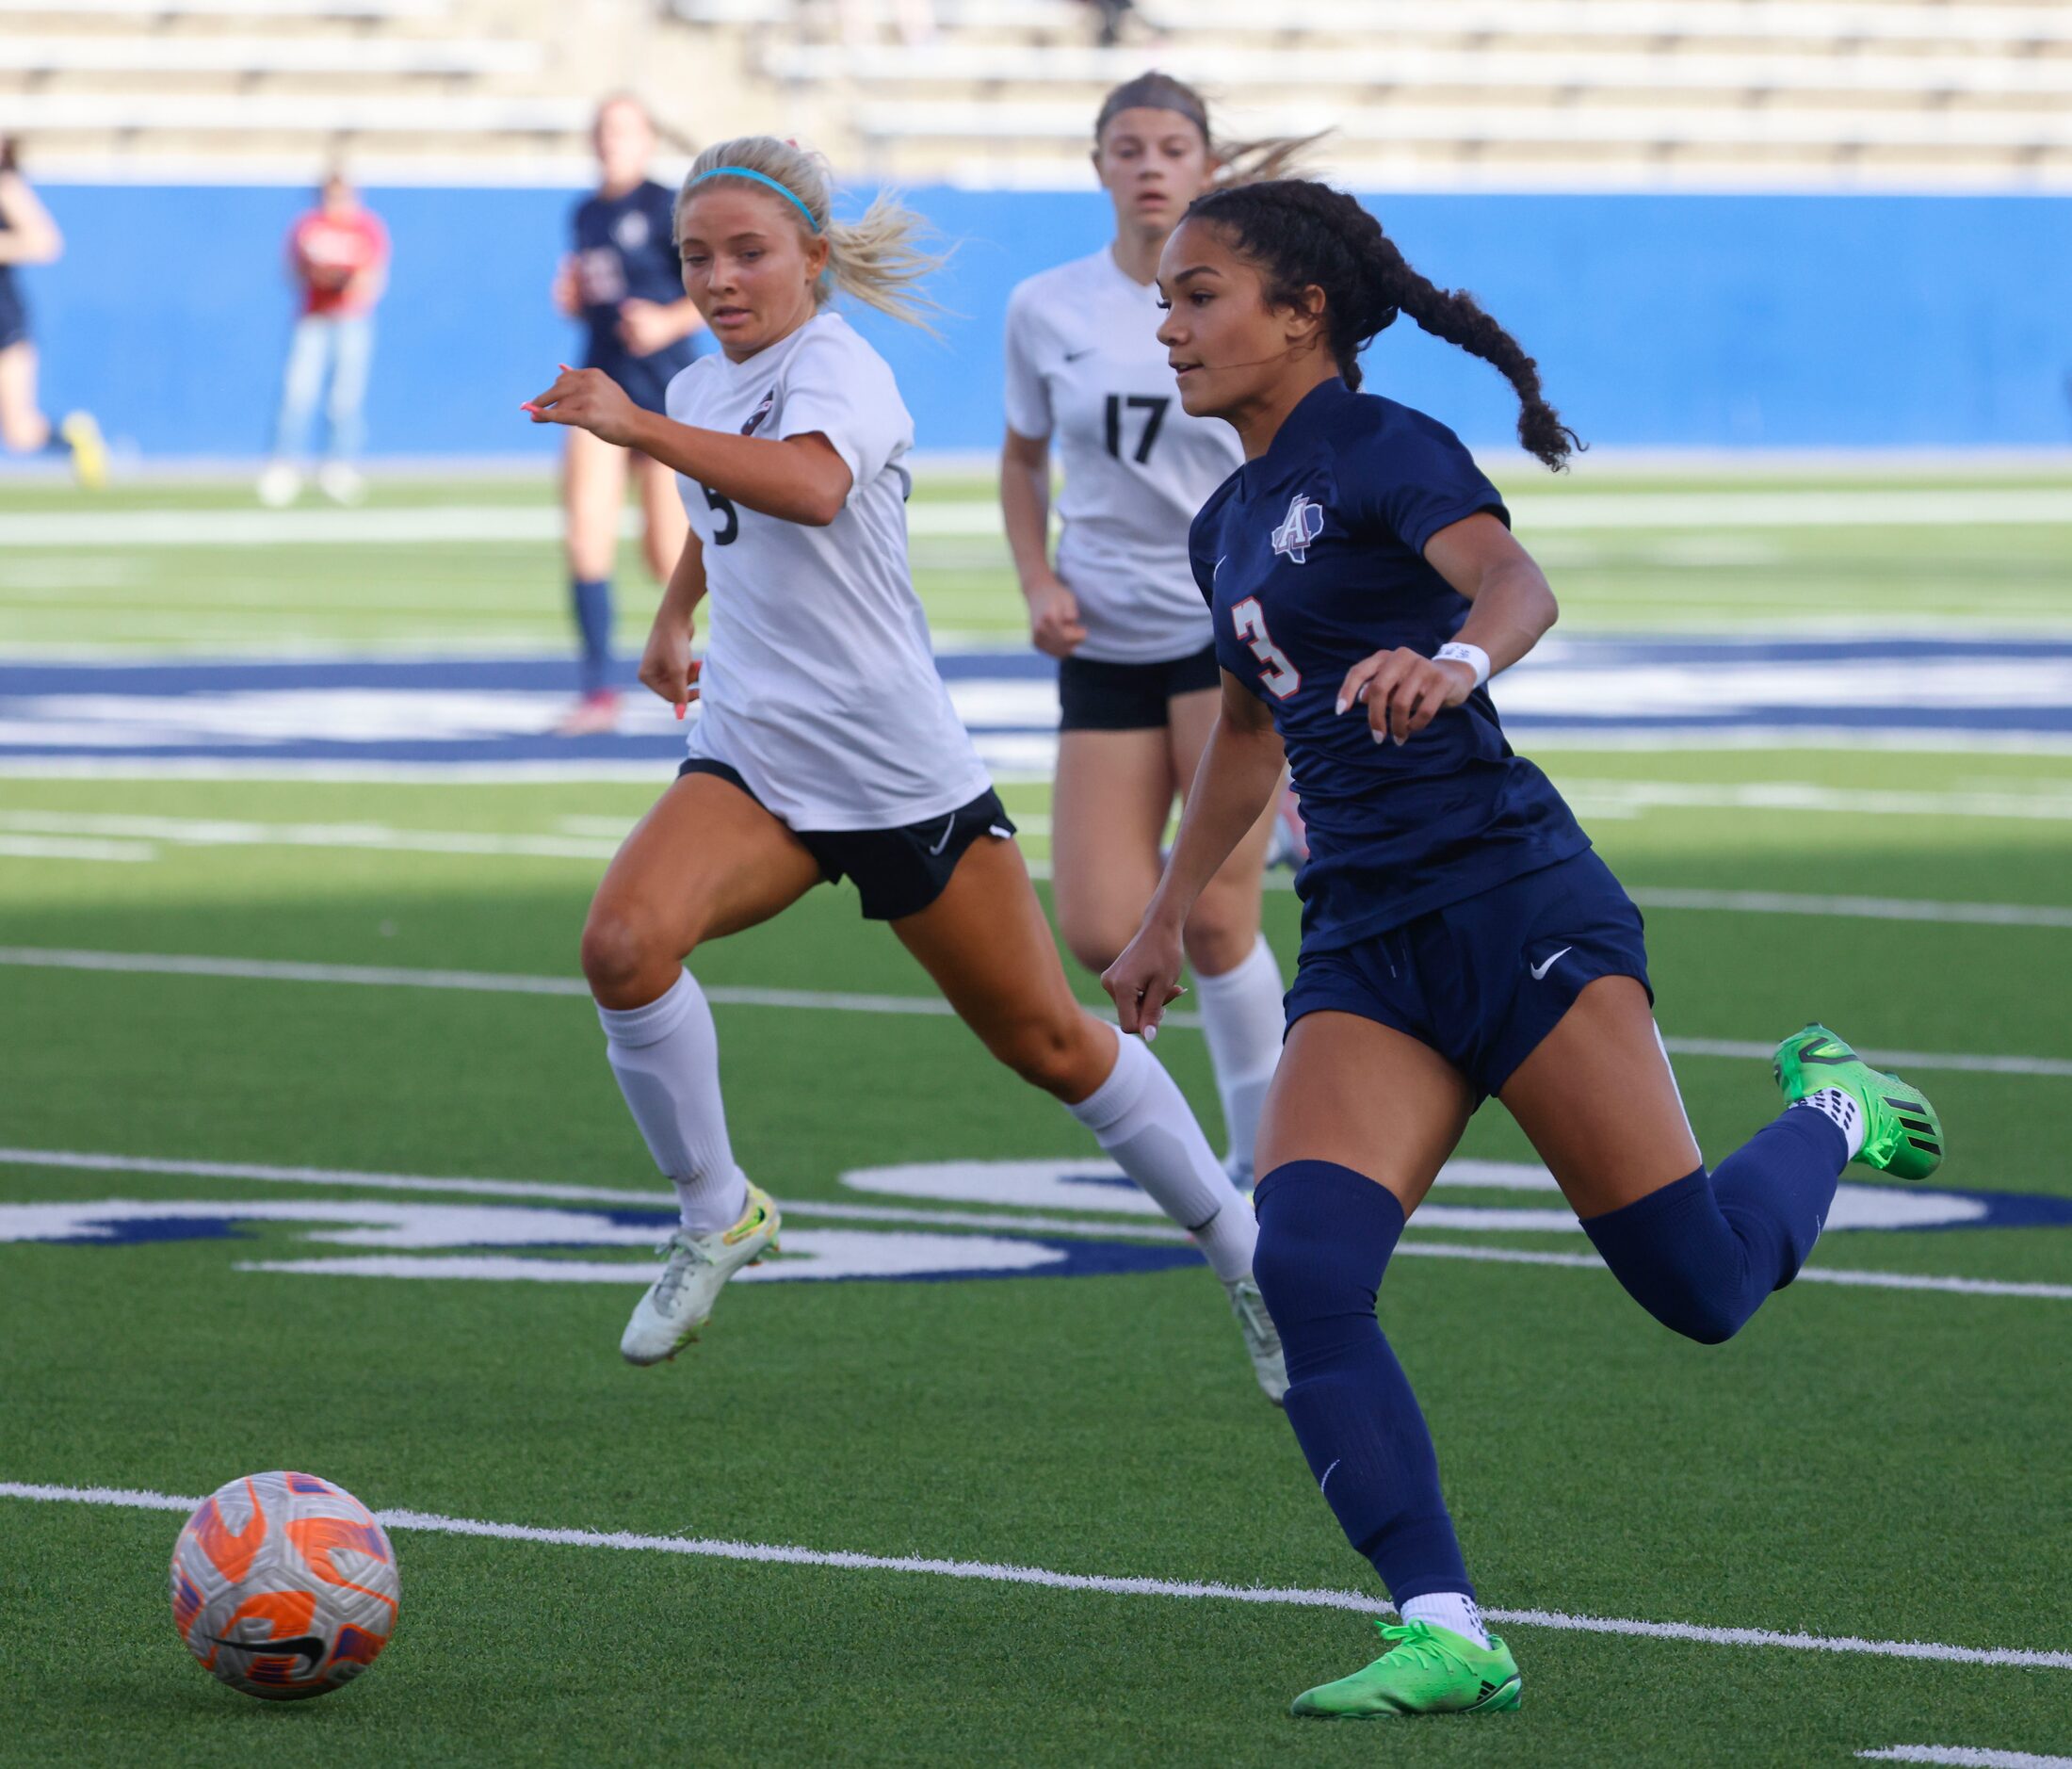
x=1312 y=557
x=14 y=313
x=625 y=250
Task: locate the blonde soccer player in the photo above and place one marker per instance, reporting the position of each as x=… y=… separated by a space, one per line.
x=1117 y=607
x=827 y=746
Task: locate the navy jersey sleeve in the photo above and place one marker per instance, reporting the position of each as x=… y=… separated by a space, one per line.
x=1202 y=540
x=1415 y=477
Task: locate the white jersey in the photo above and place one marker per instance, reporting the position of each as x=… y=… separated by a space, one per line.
x=1084 y=362
x=819 y=687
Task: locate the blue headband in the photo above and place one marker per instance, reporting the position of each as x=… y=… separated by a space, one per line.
x=762 y=178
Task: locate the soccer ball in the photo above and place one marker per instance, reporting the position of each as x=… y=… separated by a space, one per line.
x=284 y=1585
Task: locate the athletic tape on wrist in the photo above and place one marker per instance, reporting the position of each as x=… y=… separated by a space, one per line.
x=1473 y=655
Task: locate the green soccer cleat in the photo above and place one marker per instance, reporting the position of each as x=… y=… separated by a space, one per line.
x=1901 y=1134
x=1425 y=1670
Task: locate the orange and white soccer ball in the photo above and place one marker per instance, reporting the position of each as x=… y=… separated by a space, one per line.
x=284 y=1585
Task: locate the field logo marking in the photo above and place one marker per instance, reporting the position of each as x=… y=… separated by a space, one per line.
x=405 y=1232
x=990 y=1572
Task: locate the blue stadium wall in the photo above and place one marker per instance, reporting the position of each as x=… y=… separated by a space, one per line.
x=1660 y=321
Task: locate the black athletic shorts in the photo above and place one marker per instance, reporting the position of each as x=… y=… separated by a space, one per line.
x=898 y=872
x=1128 y=696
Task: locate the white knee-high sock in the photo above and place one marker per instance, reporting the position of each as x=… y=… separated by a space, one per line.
x=1138 y=1116
x=667 y=1057
x=1244 y=1019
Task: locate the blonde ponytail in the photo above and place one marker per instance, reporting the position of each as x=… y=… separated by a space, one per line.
x=877 y=259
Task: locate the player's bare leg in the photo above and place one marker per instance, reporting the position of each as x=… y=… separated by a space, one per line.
x=1238 y=980
x=663 y=523
x=705 y=862
x=593 y=491
x=986 y=944
x=24 y=429
x=1360 y=1120
x=1108 y=815
x=1701 y=1251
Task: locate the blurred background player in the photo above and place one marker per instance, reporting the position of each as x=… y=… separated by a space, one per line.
x=828 y=745
x=338 y=254
x=624 y=282
x=29 y=236
x=1136 y=677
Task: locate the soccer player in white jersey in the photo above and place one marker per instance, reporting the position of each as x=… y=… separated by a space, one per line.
x=1138 y=684
x=827 y=744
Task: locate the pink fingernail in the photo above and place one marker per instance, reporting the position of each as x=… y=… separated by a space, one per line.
x=1343 y=702
x=1150 y=1033
x=680 y=709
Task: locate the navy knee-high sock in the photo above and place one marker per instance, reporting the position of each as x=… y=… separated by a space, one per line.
x=1701 y=1253
x=1325 y=1235
x=592 y=599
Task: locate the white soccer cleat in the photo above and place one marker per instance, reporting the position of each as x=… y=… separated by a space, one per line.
x=341 y=483
x=280 y=485
x=1262 y=1342
x=680 y=1302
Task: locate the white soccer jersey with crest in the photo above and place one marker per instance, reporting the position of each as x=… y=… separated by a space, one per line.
x=819 y=687
x=1085 y=366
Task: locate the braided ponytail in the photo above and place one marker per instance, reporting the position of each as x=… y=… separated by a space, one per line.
x=1303 y=234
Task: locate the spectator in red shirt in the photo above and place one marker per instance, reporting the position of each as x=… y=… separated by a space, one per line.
x=338 y=254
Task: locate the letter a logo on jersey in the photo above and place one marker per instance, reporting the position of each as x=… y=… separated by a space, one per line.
x=1298 y=533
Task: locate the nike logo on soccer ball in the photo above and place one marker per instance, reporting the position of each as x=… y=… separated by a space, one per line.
x=1539 y=971
x=303 y=1646
x=949 y=829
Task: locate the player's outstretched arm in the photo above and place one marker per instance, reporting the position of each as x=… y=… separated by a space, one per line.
x=30 y=235
x=1402 y=691
x=666 y=667
x=799 y=480
x=1054 y=624
x=1239 y=773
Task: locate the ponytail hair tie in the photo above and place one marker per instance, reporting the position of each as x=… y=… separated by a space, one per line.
x=784 y=192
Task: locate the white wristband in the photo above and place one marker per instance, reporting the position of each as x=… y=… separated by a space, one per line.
x=1473 y=655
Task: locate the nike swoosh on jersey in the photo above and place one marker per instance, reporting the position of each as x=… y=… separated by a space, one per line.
x=1539 y=971
x=1073 y=356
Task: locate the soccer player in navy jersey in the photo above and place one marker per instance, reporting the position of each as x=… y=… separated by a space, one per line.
x=1460 y=938
x=624 y=281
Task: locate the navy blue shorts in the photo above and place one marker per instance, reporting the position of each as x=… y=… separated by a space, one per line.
x=1096 y=696
x=1485 y=980
x=14 y=313
x=898 y=872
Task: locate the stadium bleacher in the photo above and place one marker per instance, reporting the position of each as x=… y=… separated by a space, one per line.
x=1767 y=93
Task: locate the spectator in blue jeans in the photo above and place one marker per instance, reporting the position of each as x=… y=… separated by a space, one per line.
x=338 y=254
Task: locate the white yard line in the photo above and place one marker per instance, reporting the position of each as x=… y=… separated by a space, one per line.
x=83 y=1161
x=995 y=1572
x=928 y=1006
x=980 y=518
x=1868 y=908
x=73 y=848
x=235 y=833
x=1964 y=1757
x=2053 y=804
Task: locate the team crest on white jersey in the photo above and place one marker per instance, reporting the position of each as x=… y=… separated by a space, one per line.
x=761 y=411
x=1299 y=529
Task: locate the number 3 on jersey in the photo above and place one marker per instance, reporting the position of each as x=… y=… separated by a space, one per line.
x=1278 y=675
x=726 y=521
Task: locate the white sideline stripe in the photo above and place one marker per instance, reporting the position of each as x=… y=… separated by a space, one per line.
x=996 y=1572
x=1966 y=1757
x=1866 y=908
x=1808 y=1274
x=1107 y=1228
x=980 y=518
x=929 y=1006
x=58 y=848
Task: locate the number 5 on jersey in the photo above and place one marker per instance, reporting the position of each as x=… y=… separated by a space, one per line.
x=1278 y=675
